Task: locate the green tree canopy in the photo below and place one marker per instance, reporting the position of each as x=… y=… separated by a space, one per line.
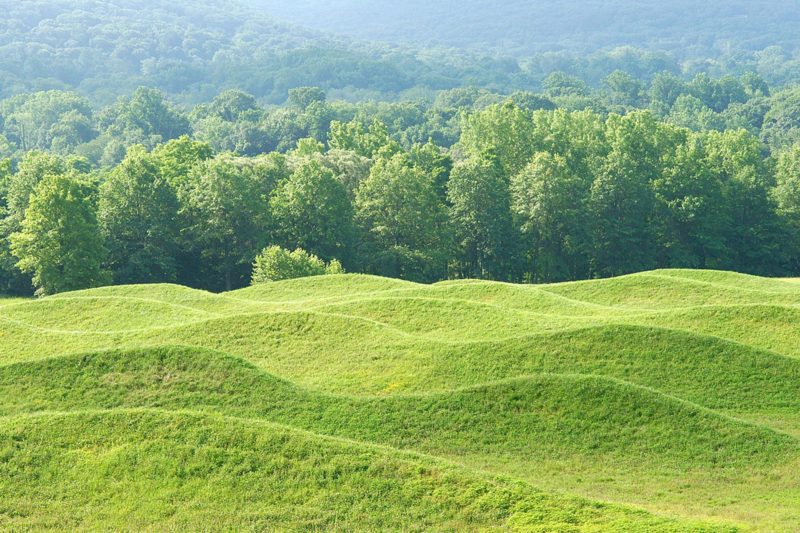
x=60 y=242
x=275 y=264
x=480 y=212
x=402 y=220
x=139 y=218
x=550 y=203
x=504 y=130
x=311 y=210
x=225 y=205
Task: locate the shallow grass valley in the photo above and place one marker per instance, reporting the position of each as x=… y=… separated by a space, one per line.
x=660 y=401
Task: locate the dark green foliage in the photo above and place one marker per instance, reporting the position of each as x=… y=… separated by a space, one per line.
x=225 y=206
x=755 y=237
x=550 y=204
x=524 y=195
x=311 y=210
x=402 y=222
x=621 y=199
x=575 y=182
x=690 y=216
x=138 y=216
x=480 y=212
x=144 y=118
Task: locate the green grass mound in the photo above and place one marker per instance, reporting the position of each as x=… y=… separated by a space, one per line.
x=660 y=290
x=346 y=355
x=343 y=354
x=7 y=300
x=319 y=288
x=674 y=391
x=453 y=320
x=180 y=471
x=100 y=314
x=732 y=279
x=771 y=327
x=530 y=298
x=545 y=416
x=167 y=293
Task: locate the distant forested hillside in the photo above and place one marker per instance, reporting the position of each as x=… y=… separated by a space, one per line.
x=684 y=26
x=193 y=50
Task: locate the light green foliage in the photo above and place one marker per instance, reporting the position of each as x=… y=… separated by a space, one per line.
x=276 y=264
x=349 y=168
x=503 y=130
x=32 y=170
x=365 y=141
x=59 y=242
x=176 y=159
x=50 y=120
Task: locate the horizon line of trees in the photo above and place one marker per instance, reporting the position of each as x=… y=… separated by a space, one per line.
x=522 y=195
x=66 y=123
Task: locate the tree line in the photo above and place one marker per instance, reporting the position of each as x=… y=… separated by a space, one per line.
x=66 y=123
x=520 y=195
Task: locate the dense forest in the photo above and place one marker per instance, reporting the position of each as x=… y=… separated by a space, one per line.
x=193 y=51
x=524 y=27
x=571 y=183
x=106 y=48
x=171 y=142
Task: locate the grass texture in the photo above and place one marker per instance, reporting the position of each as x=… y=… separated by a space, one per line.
x=660 y=401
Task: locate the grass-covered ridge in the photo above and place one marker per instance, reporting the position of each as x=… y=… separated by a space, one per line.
x=676 y=392
x=180 y=470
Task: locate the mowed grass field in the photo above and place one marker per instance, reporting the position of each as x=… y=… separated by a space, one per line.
x=660 y=401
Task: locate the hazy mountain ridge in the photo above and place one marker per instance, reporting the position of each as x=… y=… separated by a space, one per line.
x=684 y=27
x=108 y=48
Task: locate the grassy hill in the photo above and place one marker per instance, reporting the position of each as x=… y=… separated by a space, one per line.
x=661 y=401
